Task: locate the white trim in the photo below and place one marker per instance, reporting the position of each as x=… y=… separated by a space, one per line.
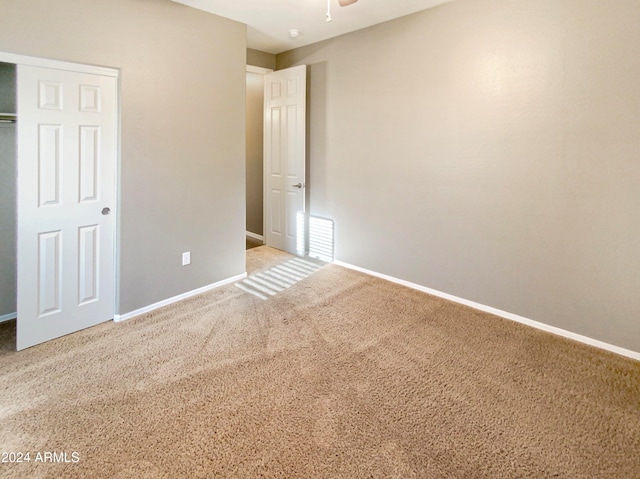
x=260 y=70
x=8 y=317
x=57 y=65
x=254 y=236
x=118 y=217
x=497 y=312
x=122 y=317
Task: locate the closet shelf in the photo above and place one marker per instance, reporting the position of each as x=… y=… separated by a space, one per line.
x=8 y=118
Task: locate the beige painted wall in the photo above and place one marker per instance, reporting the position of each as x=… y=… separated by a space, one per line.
x=182 y=134
x=489 y=149
x=7 y=192
x=254 y=118
x=261 y=59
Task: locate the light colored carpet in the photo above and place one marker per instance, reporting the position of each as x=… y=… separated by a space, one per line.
x=338 y=376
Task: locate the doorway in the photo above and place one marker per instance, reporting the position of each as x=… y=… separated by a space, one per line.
x=282 y=154
x=285 y=105
x=254 y=110
x=8 y=285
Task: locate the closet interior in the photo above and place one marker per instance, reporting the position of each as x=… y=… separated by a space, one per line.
x=8 y=166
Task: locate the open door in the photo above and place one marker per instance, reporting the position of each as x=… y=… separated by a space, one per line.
x=67 y=150
x=284 y=158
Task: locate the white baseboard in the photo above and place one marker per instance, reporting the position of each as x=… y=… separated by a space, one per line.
x=255 y=236
x=8 y=317
x=180 y=297
x=503 y=314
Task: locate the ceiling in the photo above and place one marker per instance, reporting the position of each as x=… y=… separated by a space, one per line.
x=269 y=21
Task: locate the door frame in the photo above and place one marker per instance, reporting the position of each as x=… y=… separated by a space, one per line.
x=264 y=72
x=16 y=59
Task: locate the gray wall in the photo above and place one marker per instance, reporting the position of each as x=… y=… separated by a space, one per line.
x=7 y=192
x=182 y=133
x=254 y=148
x=261 y=59
x=489 y=149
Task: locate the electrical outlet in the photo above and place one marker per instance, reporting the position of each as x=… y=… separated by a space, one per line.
x=186 y=258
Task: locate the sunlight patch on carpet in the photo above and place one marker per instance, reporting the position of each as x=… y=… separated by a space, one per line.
x=272 y=281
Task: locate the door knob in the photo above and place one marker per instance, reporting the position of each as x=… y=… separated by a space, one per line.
x=106 y=211
x=299 y=185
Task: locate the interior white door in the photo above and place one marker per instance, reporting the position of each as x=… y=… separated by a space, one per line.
x=67 y=127
x=284 y=158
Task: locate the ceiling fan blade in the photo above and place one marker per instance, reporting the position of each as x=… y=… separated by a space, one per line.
x=344 y=3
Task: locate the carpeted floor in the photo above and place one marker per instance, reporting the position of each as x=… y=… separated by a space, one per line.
x=339 y=376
